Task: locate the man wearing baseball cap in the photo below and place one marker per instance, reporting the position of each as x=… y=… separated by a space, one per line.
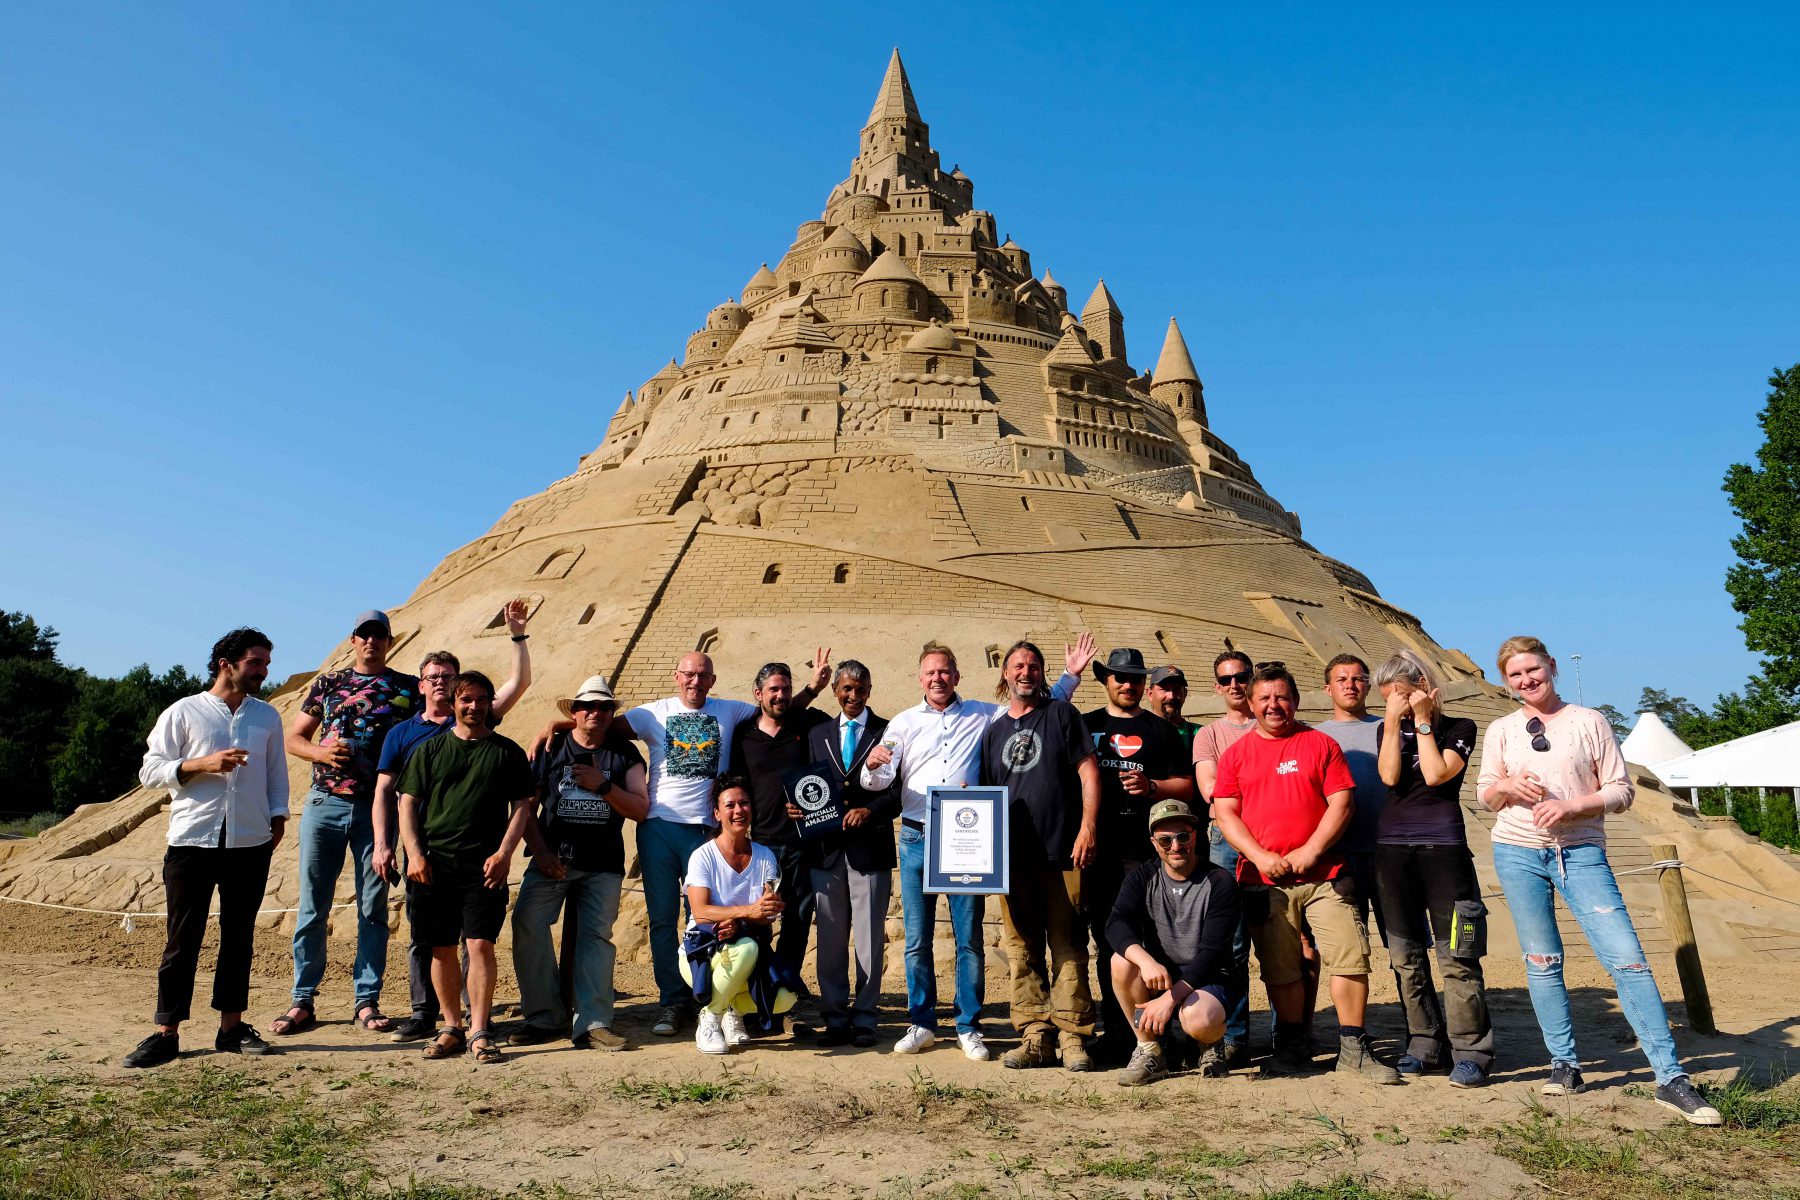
x=587 y=788
x=1141 y=761
x=1171 y=932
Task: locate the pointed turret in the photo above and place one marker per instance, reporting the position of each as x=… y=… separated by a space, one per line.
x=1105 y=324
x=1175 y=383
x=895 y=99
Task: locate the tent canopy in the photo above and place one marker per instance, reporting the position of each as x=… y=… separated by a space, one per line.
x=1651 y=742
x=1767 y=759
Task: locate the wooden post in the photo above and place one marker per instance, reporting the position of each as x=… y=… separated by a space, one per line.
x=1687 y=952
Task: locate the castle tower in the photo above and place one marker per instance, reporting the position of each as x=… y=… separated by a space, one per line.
x=1105 y=324
x=1175 y=382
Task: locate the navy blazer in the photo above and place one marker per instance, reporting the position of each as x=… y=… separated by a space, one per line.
x=870 y=846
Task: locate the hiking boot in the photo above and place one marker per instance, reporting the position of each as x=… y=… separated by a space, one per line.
x=1291 y=1056
x=668 y=1020
x=1033 y=1050
x=155 y=1050
x=531 y=1035
x=1237 y=1054
x=599 y=1038
x=1357 y=1057
x=413 y=1028
x=1565 y=1080
x=1075 y=1056
x=1214 y=1062
x=1680 y=1095
x=1146 y=1066
x=240 y=1039
x=1467 y=1075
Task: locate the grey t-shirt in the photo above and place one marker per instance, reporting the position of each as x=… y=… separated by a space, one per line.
x=1357 y=739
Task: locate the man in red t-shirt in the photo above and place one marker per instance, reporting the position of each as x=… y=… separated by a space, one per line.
x=1284 y=795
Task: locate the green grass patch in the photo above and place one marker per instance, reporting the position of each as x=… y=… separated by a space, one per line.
x=1349 y=1187
x=1186 y=1167
x=663 y=1094
x=1746 y=1106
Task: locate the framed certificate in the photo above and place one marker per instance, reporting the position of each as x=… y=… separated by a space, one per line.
x=966 y=841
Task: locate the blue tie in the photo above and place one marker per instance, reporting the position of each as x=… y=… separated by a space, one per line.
x=849 y=742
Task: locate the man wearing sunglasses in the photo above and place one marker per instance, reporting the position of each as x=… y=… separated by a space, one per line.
x=587 y=788
x=437 y=714
x=1231 y=683
x=1283 y=798
x=1171 y=932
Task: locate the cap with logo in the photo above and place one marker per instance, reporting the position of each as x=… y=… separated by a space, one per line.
x=1167 y=677
x=594 y=687
x=1172 y=810
x=1123 y=661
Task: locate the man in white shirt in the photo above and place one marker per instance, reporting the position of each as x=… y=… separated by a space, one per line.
x=938 y=744
x=220 y=755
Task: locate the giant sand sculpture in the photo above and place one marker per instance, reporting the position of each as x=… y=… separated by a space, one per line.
x=900 y=432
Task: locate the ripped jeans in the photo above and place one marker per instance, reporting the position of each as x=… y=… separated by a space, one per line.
x=1531 y=879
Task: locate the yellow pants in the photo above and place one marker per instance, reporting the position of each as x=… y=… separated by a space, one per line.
x=732 y=966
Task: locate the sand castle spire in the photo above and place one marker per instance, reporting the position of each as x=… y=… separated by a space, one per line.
x=1105 y=324
x=895 y=99
x=1175 y=364
x=1176 y=384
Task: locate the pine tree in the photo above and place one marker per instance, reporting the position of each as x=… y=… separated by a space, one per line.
x=1765 y=583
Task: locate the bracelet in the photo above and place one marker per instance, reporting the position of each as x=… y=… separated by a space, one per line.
x=519 y=637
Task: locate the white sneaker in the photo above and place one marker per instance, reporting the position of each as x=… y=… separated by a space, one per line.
x=973 y=1046
x=914 y=1040
x=709 y=1038
x=732 y=1024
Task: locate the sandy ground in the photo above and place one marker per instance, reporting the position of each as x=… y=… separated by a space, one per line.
x=76 y=992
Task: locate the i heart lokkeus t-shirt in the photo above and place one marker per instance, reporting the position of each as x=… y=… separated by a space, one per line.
x=1144 y=743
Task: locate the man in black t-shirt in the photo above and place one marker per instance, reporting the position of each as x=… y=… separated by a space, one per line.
x=588 y=786
x=1038 y=749
x=1142 y=761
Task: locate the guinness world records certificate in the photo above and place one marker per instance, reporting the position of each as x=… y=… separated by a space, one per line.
x=966 y=841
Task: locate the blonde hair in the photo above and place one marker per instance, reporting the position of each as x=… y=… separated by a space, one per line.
x=936 y=647
x=1407 y=666
x=1523 y=644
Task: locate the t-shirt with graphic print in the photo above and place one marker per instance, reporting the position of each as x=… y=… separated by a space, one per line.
x=1034 y=757
x=1417 y=813
x=357 y=709
x=1144 y=743
x=582 y=828
x=1281 y=785
x=688 y=747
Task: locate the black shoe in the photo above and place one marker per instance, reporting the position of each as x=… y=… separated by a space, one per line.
x=1111 y=1050
x=1236 y=1055
x=1564 y=1080
x=1680 y=1095
x=863 y=1038
x=1291 y=1056
x=155 y=1050
x=414 y=1027
x=836 y=1035
x=241 y=1038
x=531 y=1035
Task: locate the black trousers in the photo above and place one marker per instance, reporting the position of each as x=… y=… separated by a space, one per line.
x=798 y=899
x=1100 y=885
x=190 y=876
x=1420 y=888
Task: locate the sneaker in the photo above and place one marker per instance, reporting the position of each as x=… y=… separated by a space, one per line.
x=1357 y=1057
x=863 y=1038
x=709 y=1034
x=1213 y=1062
x=531 y=1035
x=599 y=1038
x=1683 y=1097
x=155 y=1050
x=668 y=1021
x=1073 y=1048
x=1146 y=1066
x=413 y=1028
x=1565 y=1080
x=1409 y=1065
x=974 y=1046
x=1467 y=1074
x=732 y=1026
x=240 y=1039
x=1033 y=1050
x=914 y=1040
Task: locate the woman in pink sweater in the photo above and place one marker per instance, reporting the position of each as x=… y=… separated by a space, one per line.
x=1553 y=771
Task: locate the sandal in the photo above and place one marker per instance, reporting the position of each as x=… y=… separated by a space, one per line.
x=486 y=1047
x=459 y=1042
x=287 y=1024
x=370 y=1018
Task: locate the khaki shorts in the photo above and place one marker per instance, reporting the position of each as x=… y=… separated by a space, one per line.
x=1328 y=912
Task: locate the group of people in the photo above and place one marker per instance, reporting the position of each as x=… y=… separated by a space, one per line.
x=1312 y=829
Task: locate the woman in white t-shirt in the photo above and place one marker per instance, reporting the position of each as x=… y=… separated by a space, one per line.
x=731 y=884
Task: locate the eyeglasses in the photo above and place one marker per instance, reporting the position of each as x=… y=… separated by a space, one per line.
x=1241 y=677
x=1168 y=841
x=437 y=679
x=1535 y=727
x=604 y=706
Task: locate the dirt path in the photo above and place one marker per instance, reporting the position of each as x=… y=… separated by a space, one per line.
x=785 y=1118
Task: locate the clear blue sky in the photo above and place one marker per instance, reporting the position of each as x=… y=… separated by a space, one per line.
x=1489 y=299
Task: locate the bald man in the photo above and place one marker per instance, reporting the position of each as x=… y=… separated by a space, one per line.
x=688 y=736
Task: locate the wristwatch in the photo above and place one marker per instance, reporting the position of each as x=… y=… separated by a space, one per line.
x=1423 y=728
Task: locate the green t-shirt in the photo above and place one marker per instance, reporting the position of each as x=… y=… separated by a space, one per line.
x=466 y=791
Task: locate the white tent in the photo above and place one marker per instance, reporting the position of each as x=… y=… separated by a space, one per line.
x=1770 y=759
x=1651 y=742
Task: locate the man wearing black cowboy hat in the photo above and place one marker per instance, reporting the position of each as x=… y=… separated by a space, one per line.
x=1142 y=760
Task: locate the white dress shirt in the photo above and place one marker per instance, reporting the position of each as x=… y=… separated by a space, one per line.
x=939 y=747
x=230 y=810
x=862 y=730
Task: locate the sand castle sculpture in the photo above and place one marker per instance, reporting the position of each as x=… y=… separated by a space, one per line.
x=899 y=432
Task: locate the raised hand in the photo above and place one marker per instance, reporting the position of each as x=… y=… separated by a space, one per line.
x=821 y=665
x=1077 y=657
x=518 y=615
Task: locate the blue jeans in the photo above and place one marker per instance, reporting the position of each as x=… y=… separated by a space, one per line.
x=1237 y=1020
x=919 y=909
x=1531 y=880
x=595 y=896
x=664 y=848
x=330 y=825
